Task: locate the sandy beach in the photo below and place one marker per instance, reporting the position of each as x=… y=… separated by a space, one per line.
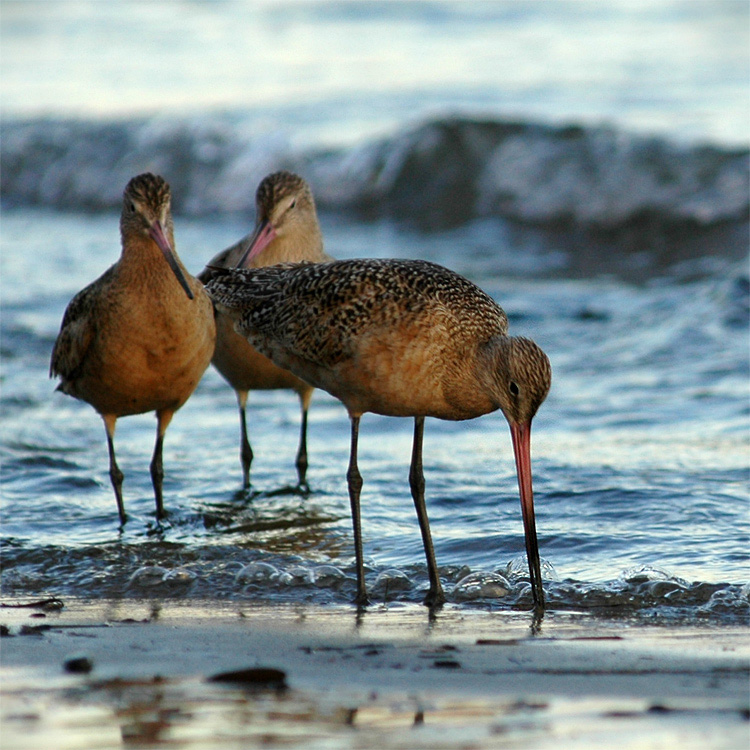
x=143 y=674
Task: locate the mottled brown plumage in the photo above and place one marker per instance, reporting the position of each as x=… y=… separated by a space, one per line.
x=400 y=338
x=286 y=229
x=140 y=337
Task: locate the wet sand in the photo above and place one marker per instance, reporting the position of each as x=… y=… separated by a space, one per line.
x=391 y=677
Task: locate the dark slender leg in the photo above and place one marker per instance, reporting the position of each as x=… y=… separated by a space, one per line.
x=157 y=476
x=354 y=480
x=115 y=475
x=157 y=468
x=246 y=452
x=435 y=595
x=302 y=451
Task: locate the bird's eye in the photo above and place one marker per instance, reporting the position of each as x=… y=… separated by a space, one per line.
x=131 y=208
x=514 y=389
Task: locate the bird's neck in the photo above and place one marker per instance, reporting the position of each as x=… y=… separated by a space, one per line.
x=143 y=260
x=293 y=248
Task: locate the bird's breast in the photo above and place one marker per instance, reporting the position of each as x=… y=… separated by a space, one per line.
x=147 y=359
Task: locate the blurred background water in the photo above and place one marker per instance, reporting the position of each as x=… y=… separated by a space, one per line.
x=585 y=163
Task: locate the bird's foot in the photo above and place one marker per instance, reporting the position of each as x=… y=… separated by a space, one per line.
x=435 y=598
x=362 y=600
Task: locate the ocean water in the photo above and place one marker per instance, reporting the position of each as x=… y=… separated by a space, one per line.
x=585 y=164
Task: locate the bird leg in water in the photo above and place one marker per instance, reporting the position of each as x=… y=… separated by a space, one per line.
x=435 y=596
x=115 y=475
x=354 y=480
x=302 y=452
x=157 y=476
x=157 y=469
x=246 y=452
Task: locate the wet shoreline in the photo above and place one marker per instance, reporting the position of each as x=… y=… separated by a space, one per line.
x=144 y=670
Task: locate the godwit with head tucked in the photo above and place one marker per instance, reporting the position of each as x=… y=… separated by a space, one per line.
x=140 y=337
x=286 y=230
x=400 y=338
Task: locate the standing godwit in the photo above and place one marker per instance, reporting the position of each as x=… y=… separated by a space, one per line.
x=140 y=337
x=400 y=338
x=286 y=230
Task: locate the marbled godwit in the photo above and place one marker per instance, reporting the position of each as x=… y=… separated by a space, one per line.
x=400 y=338
x=140 y=337
x=286 y=230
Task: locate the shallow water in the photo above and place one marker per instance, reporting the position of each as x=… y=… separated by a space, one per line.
x=640 y=454
x=623 y=255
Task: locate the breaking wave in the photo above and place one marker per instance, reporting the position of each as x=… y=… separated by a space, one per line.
x=592 y=183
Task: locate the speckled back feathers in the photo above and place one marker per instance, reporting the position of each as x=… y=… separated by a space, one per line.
x=345 y=299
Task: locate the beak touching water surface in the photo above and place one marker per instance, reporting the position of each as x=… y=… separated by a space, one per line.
x=521 y=436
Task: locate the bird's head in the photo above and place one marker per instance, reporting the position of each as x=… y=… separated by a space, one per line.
x=522 y=378
x=146 y=202
x=287 y=226
x=146 y=212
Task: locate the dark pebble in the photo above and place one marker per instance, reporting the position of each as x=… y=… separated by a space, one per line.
x=447 y=664
x=78 y=665
x=261 y=677
x=659 y=709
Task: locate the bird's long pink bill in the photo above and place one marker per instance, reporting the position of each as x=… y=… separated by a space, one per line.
x=157 y=235
x=260 y=239
x=521 y=436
